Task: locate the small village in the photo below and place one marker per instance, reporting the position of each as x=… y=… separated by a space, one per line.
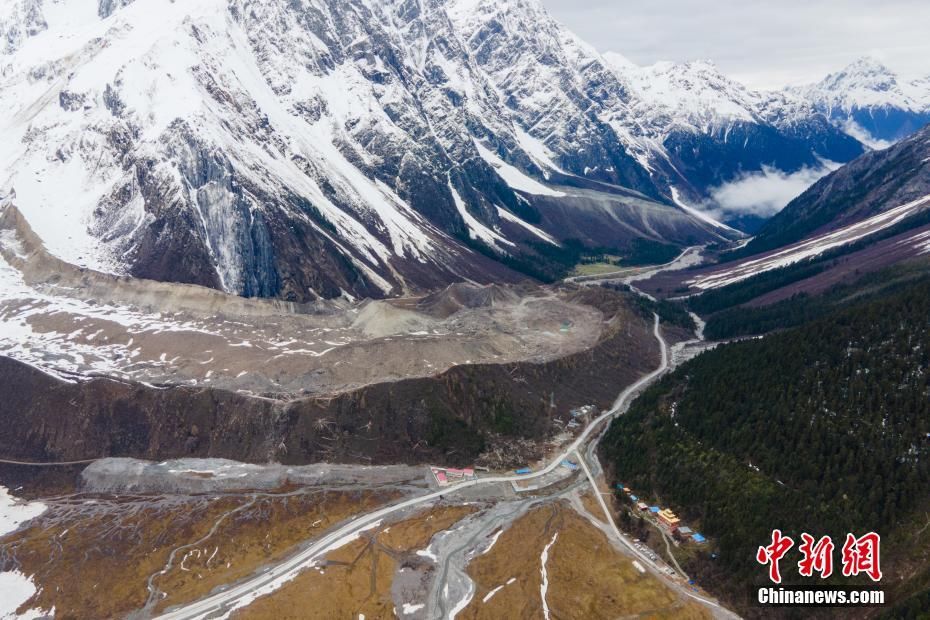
x=664 y=518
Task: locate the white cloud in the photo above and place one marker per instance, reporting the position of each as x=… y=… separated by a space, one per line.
x=858 y=132
x=762 y=193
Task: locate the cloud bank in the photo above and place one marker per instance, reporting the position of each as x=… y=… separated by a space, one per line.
x=764 y=193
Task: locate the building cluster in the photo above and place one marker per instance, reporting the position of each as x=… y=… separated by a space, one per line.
x=664 y=517
x=448 y=475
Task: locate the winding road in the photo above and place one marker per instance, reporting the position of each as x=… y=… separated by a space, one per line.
x=242 y=593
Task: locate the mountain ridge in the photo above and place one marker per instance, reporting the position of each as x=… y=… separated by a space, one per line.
x=299 y=150
x=320 y=148
x=873 y=183
x=871 y=102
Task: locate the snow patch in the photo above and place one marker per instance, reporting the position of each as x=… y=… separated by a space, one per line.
x=513 y=177
x=544 y=586
x=14 y=512
x=462 y=604
x=704 y=217
x=537 y=150
x=510 y=217
x=809 y=248
x=476 y=229
x=493 y=542
x=16 y=589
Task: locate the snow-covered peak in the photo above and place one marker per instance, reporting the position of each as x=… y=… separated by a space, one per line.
x=868 y=83
x=691 y=95
x=871 y=102
x=866 y=67
x=620 y=63
x=567 y=100
x=300 y=148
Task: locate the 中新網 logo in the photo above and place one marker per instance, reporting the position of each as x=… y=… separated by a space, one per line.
x=860 y=555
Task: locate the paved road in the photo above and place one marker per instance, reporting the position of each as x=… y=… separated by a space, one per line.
x=221 y=602
x=720 y=611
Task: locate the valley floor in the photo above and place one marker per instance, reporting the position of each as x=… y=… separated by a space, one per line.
x=407 y=549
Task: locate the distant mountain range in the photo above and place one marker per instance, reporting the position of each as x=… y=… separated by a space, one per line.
x=318 y=148
x=699 y=129
x=871 y=103
x=869 y=215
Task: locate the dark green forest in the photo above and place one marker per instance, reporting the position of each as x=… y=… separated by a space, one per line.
x=822 y=428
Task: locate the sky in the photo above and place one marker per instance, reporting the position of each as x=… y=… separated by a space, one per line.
x=763 y=43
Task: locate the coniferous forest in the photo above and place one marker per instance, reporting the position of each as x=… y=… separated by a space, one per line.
x=822 y=428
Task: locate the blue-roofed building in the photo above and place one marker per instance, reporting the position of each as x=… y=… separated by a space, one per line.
x=698 y=538
x=654 y=509
x=634 y=498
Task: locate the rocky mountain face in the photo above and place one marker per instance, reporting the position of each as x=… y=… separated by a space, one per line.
x=310 y=148
x=319 y=148
x=872 y=184
x=871 y=103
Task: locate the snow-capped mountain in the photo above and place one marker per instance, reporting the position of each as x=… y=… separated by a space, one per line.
x=871 y=102
x=691 y=95
x=305 y=148
x=311 y=147
x=701 y=129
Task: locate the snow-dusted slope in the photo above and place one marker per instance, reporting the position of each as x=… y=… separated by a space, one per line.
x=700 y=129
x=808 y=248
x=301 y=148
x=572 y=109
x=871 y=102
x=304 y=148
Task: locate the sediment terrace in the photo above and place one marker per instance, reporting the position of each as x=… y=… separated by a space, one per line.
x=97 y=365
x=73 y=322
